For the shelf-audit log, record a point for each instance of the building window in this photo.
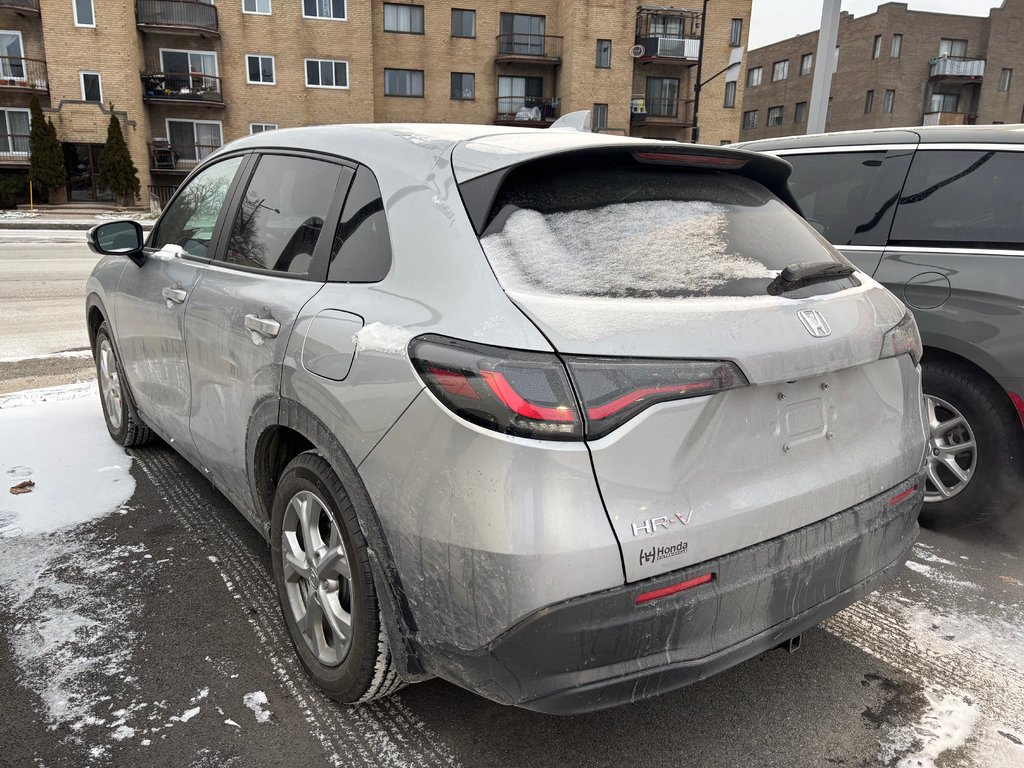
(189, 71)
(835, 60)
(780, 70)
(943, 102)
(326, 73)
(463, 23)
(750, 119)
(262, 127)
(775, 116)
(806, 63)
(85, 15)
(324, 9)
(897, 46)
(754, 76)
(876, 47)
(800, 113)
(954, 48)
(1005, 77)
(194, 140)
(14, 131)
(604, 54)
(869, 102)
(92, 89)
(259, 69)
(403, 18)
(261, 7)
(662, 96)
(599, 117)
(521, 34)
(403, 82)
(522, 98)
(887, 103)
(828, 111)
(463, 86)
(735, 32)
(730, 94)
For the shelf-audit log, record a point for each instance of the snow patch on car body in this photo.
(385, 339)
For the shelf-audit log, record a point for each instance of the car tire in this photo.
(961, 406)
(315, 540)
(123, 423)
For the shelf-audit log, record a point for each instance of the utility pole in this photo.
(695, 131)
(821, 84)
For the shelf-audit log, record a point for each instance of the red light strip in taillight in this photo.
(646, 597)
(1018, 403)
(686, 159)
(610, 408)
(500, 386)
(901, 496)
(453, 382)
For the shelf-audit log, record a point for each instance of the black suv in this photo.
(937, 215)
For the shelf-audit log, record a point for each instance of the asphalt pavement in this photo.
(152, 637)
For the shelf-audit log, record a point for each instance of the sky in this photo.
(774, 20)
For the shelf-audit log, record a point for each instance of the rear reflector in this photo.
(646, 597)
(683, 158)
(901, 496)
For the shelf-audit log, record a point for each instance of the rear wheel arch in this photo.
(940, 355)
(280, 430)
(95, 314)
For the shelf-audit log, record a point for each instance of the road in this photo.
(152, 637)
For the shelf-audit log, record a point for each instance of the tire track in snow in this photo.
(384, 733)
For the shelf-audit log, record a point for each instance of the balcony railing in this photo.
(684, 50)
(526, 110)
(948, 118)
(14, 149)
(160, 195)
(957, 67)
(21, 74)
(178, 158)
(661, 110)
(20, 6)
(523, 47)
(177, 16)
(182, 87)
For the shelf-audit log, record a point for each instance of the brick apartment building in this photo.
(896, 67)
(185, 76)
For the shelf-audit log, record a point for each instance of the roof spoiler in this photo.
(573, 121)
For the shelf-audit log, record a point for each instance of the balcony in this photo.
(165, 157)
(526, 111)
(21, 7)
(667, 35)
(948, 118)
(529, 49)
(956, 68)
(193, 88)
(13, 150)
(176, 17)
(25, 75)
(661, 111)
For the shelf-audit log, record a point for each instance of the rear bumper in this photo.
(602, 650)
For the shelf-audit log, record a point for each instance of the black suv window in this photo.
(189, 221)
(282, 213)
(962, 197)
(362, 247)
(849, 197)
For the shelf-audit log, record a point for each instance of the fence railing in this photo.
(527, 109)
(515, 44)
(21, 5)
(164, 156)
(190, 86)
(182, 14)
(664, 110)
(14, 148)
(23, 74)
(957, 66)
(160, 195)
(948, 118)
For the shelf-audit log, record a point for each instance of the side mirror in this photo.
(117, 238)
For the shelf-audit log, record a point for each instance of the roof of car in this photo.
(932, 134)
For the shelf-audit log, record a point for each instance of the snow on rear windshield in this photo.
(673, 235)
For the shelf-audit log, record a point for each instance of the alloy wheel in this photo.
(110, 383)
(952, 451)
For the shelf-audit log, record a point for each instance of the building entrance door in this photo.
(82, 162)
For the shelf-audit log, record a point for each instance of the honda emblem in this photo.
(815, 323)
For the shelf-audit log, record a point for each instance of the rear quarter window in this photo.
(643, 232)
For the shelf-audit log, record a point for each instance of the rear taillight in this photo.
(529, 394)
(903, 338)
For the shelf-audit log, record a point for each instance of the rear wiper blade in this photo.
(807, 273)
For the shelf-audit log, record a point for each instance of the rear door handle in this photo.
(263, 326)
(176, 295)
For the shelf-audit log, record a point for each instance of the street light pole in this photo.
(695, 131)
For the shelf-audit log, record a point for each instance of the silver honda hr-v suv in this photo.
(567, 419)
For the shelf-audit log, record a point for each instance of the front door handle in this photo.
(175, 295)
(263, 326)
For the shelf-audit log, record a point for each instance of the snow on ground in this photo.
(257, 702)
(71, 353)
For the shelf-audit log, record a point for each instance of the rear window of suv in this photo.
(642, 232)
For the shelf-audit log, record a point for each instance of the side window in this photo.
(849, 197)
(282, 214)
(189, 220)
(962, 197)
(362, 247)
